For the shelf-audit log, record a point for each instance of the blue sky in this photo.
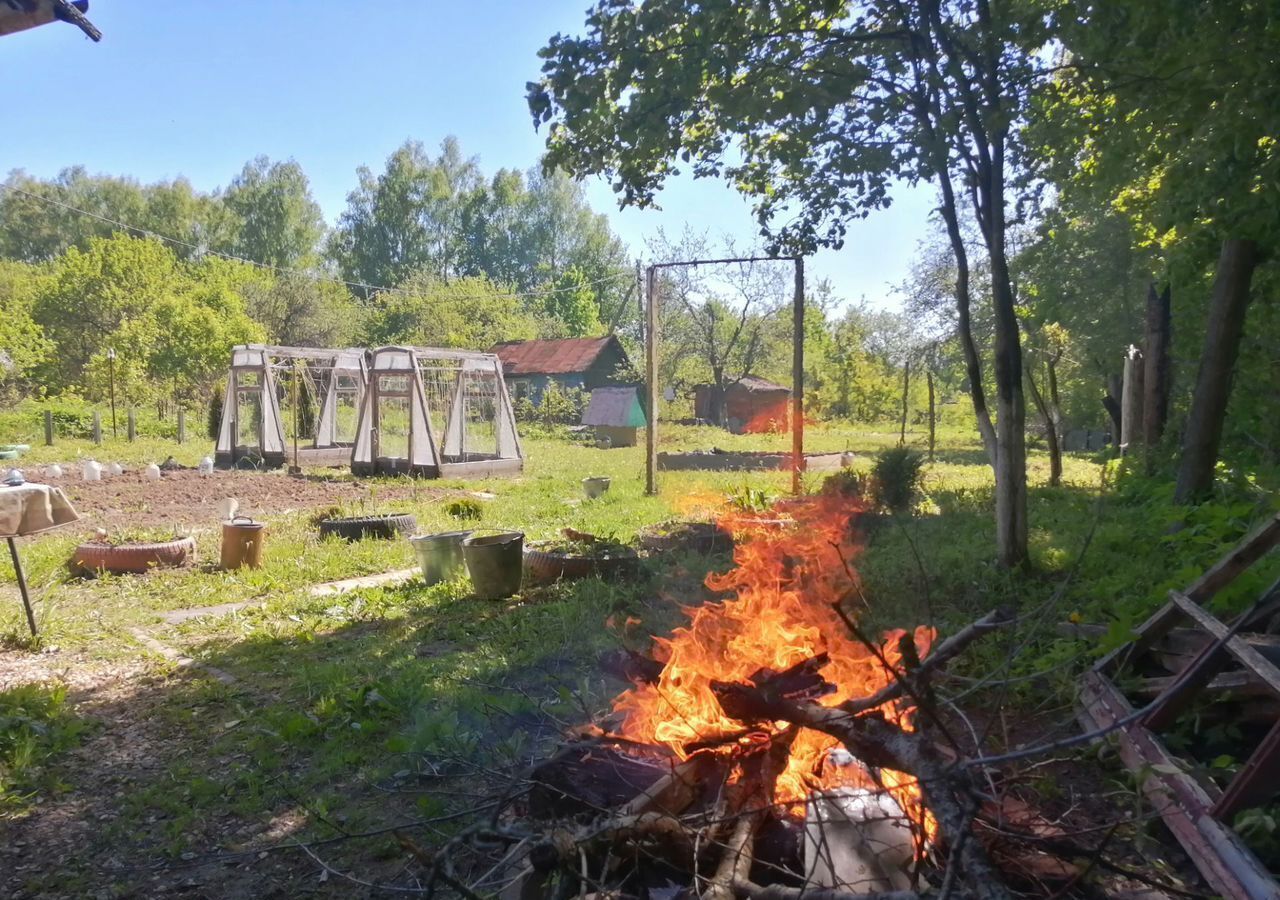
(196, 88)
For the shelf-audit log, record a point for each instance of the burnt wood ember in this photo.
(588, 778)
(631, 666)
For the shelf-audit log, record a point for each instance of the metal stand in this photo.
(22, 587)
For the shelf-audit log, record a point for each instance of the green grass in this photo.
(338, 698)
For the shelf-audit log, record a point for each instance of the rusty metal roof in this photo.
(551, 357)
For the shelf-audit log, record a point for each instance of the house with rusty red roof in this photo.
(583, 363)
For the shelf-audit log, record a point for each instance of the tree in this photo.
(276, 220)
(299, 310)
(172, 324)
(23, 346)
(571, 306)
(408, 219)
(1182, 139)
(813, 109)
(471, 313)
(39, 220)
(729, 312)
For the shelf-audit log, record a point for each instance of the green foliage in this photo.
(465, 508)
(895, 478)
(751, 499)
(848, 483)
(275, 219)
(472, 313)
(556, 406)
(35, 725)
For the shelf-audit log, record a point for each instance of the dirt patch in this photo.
(186, 498)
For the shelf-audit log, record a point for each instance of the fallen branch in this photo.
(941, 655)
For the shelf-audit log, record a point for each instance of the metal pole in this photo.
(182, 425)
(797, 381)
(651, 383)
(22, 587)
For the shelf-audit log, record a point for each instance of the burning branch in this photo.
(877, 742)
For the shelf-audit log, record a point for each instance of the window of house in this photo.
(520, 390)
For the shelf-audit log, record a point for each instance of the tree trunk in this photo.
(906, 386)
(932, 411)
(1050, 431)
(1156, 386)
(1131, 401)
(1228, 305)
(1111, 401)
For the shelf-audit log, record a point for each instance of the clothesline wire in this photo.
(310, 275)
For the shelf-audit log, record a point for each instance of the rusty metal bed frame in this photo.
(1196, 810)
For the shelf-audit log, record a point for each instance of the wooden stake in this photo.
(48, 428)
(797, 380)
(651, 383)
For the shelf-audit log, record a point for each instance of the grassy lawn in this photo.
(349, 713)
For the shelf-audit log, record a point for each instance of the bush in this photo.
(556, 406)
(895, 478)
(465, 508)
(846, 483)
(213, 418)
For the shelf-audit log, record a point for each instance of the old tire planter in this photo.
(495, 563)
(383, 527)
(704, 538)
(545, 566)
(132, 559)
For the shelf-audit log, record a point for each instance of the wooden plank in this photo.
(1147, 635)
(1226, 863)
(1248, 657)
(1257, 545)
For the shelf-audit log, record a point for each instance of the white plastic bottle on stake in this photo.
(152, 472)
(206, 466)
(91, 471)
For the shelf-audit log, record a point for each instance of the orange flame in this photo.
(787, 578)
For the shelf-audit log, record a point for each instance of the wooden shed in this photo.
(750, 404)
(530, 367)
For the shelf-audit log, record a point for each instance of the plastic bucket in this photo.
(495, 563)
(440, 555)
(242, 543)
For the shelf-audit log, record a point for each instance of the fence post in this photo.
(48, 428)
(132, 427)
(97, 427)
(182, 425)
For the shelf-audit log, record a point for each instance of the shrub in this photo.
(213, 422)
(465, 508)
(847, 483)
(895, 478)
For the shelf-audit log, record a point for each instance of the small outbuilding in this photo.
(530, 367)
(615, 413)
(749, 405)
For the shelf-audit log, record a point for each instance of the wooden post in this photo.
(651, 383)
(797, 380)
(928, 375)
(182, 425)
(906, 388)
(97, 427)
(131, 426)
(1131, 400)
(48, 428)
